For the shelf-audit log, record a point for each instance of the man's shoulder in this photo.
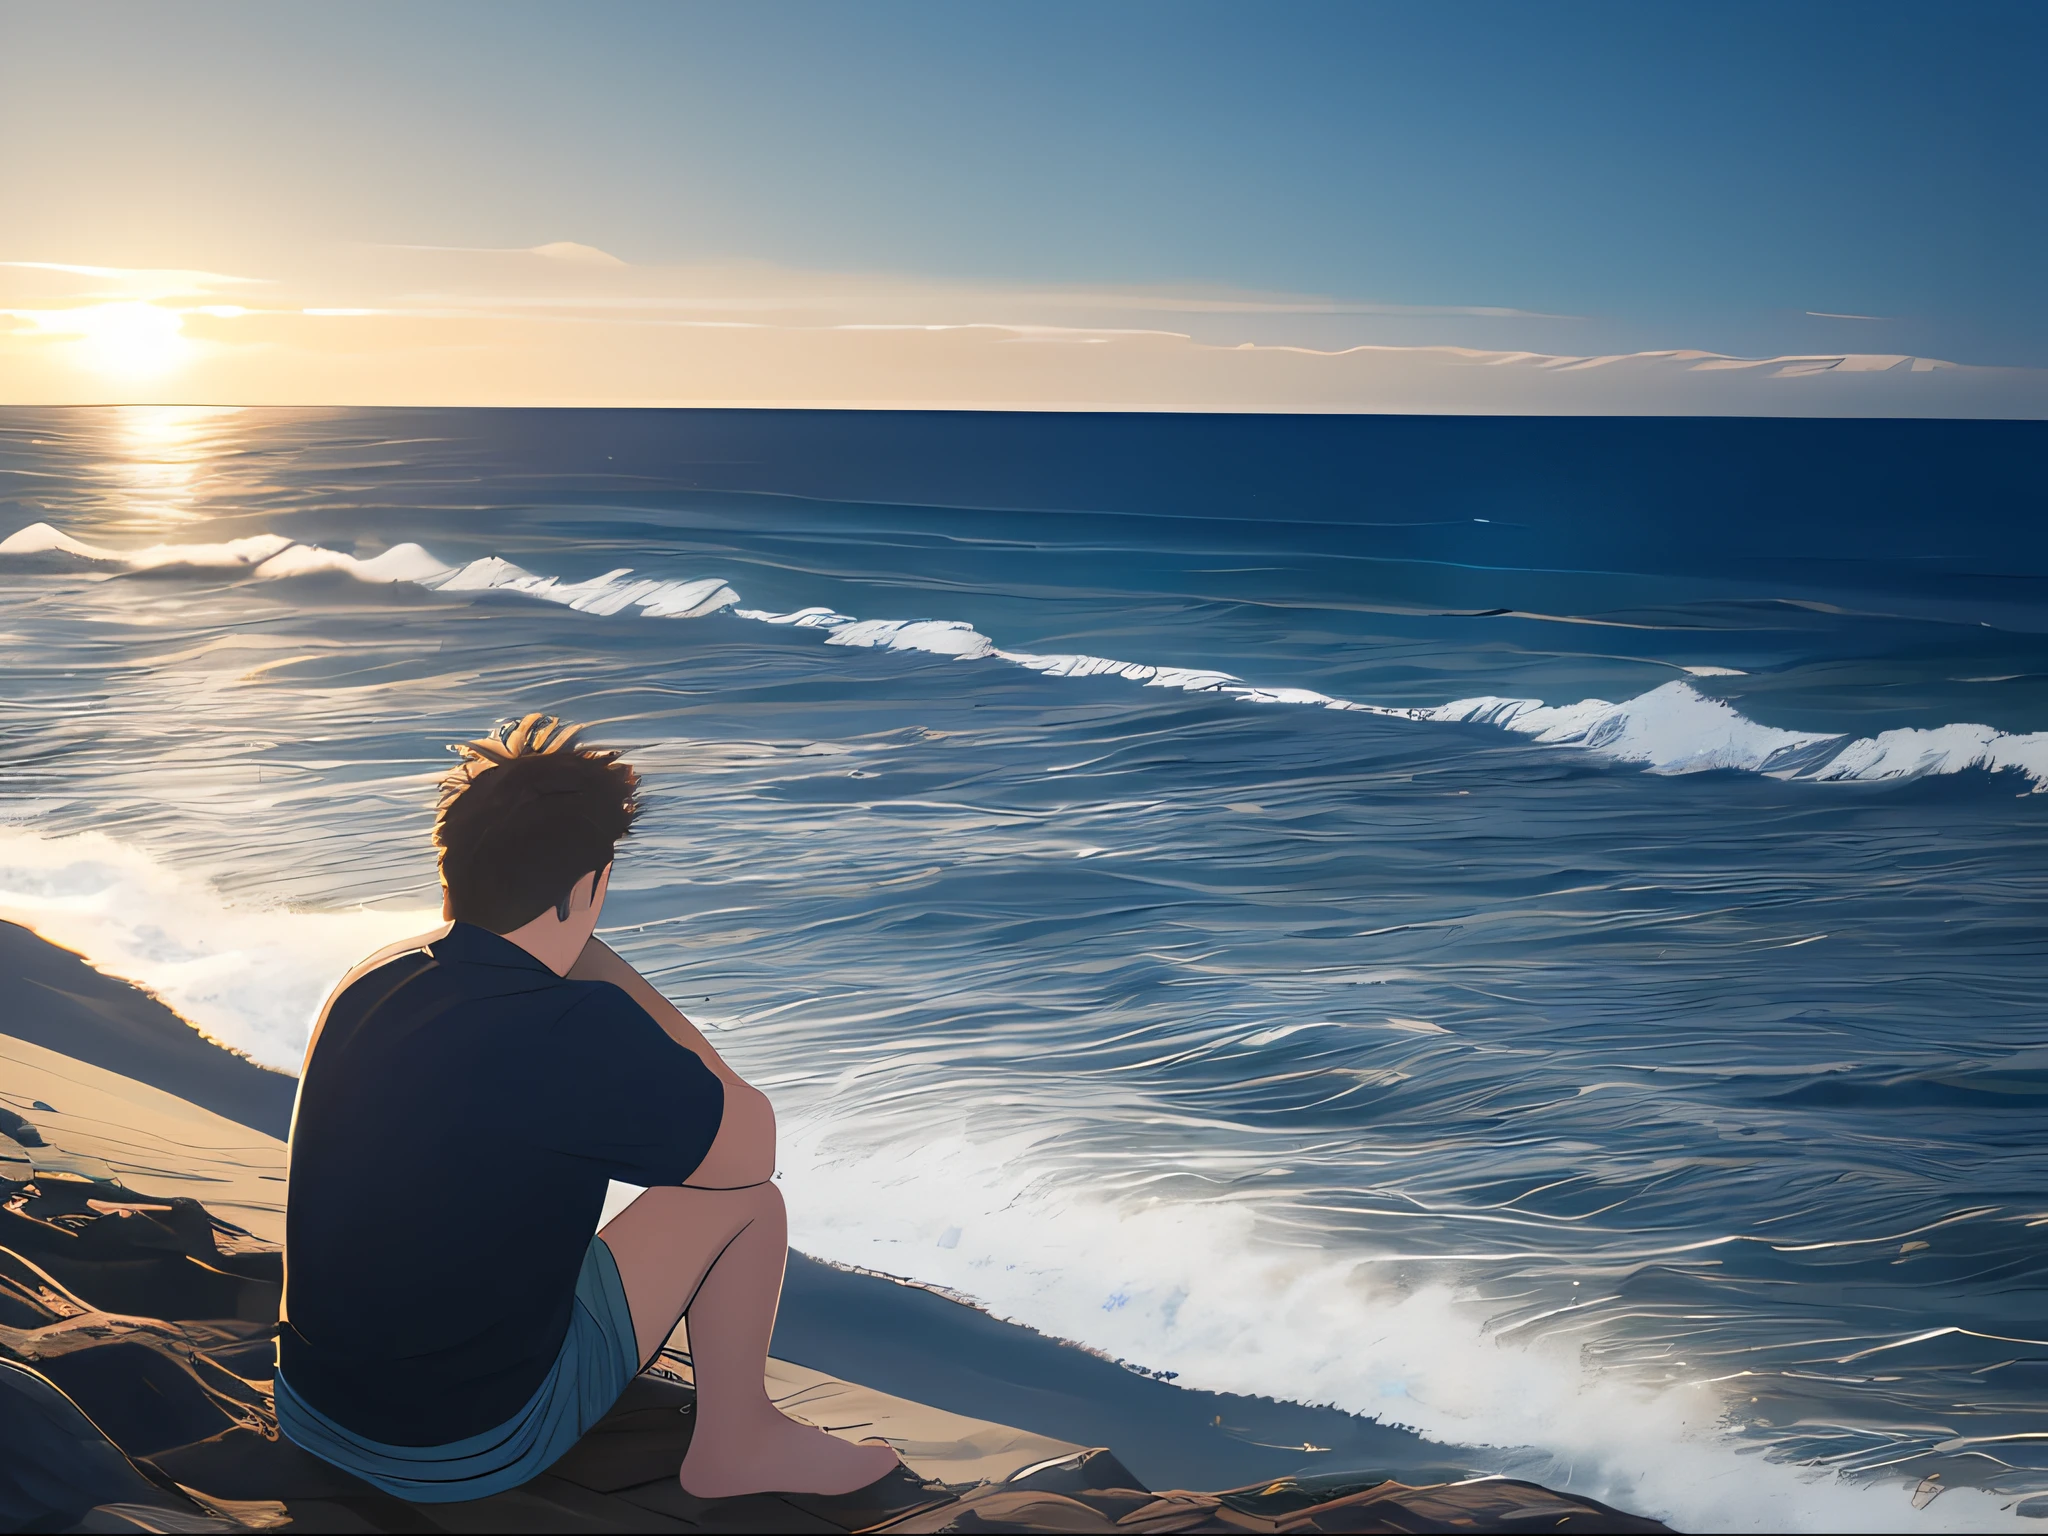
(410, 952)
(602, 1002)
(424, 977)
(425, 974)
(368, 980)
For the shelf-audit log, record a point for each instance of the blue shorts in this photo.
(598, 1359)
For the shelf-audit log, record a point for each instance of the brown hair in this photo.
(526, 814)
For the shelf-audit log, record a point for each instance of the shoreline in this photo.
(902, 1338)
(888, 1332)
(211, 1128)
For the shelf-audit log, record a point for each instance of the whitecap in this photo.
(1910, 753)
(41, 538)
(401, 562)
(802, 618)
(941, 637)
(1672, 729)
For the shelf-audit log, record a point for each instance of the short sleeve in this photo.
(637, 1103)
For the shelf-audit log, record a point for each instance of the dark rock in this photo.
(255, 1462)
(1096, 1469)
(162, 1420)
(141, 1395)
(149, 1258)
(31, 1297)
(58, 1467)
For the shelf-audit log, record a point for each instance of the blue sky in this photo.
(1668, 175)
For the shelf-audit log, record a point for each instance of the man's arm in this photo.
(744, 1151)
(600, 962)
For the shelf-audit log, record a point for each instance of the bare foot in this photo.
(774, 1454)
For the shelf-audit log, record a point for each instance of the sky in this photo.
(1141, 187)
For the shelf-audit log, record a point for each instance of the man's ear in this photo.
(598, 881)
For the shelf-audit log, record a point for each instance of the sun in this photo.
(130, 340)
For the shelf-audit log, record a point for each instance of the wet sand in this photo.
(146, 1170)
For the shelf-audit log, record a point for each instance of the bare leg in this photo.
(717, 1255)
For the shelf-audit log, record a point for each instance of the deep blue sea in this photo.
(1532, 929)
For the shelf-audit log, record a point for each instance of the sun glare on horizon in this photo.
(130, 340)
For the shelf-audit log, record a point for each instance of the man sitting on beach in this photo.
(451, 1324)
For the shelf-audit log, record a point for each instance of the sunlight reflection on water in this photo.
(1719, 1087)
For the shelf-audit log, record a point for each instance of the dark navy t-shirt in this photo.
(459, 1117)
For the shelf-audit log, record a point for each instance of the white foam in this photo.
(1672, 729)
(41, 538)
(485, 575)
(1906, 754)
(803, 618)
(600, 595)
(252, 978)
(1083, 666)
(233, 555)
(1186, 679)
(1194, 1287)
(401, 562)
(939, 636)
(1201, 1289)
(688, 599)
(274, 557)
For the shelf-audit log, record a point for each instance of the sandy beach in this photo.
(139, 1275)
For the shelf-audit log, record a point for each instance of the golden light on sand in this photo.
(131, 340)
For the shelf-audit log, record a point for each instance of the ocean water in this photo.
(1529, 929)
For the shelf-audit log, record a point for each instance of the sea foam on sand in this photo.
(1198, 1288)
(253, 979)
(1192, 1287)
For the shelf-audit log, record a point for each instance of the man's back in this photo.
(461, 1112)
(452, 1322)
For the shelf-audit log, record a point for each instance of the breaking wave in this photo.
(1195, 1284)
(1671, 729)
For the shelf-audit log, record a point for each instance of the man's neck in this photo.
(554, 943)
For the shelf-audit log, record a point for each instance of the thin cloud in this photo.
(1245, 306)
(990, 325)
(500, 311)
(1824, 314)
(554, 250)
(162, 280)
(793, 288)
